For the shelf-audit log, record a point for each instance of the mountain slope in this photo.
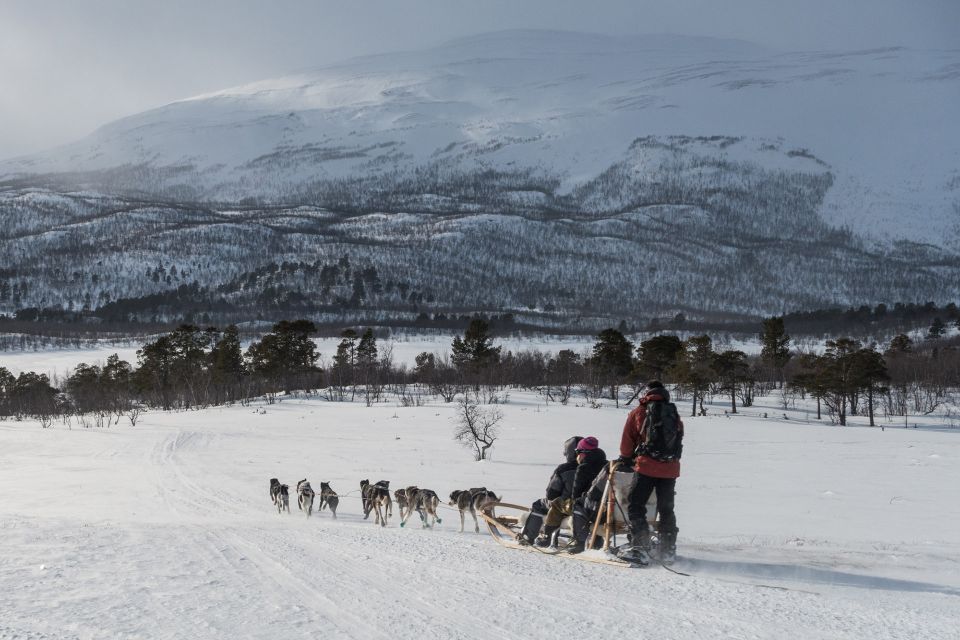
(817, 178)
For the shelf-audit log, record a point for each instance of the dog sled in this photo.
(505, 521)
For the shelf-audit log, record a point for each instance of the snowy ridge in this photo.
(601, 179)
(565, 105)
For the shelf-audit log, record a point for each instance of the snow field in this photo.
(166, 530)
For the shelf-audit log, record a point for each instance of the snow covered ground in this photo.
(788, 528)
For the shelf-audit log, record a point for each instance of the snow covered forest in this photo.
(438, 182)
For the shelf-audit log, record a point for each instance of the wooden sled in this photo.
(506, 528)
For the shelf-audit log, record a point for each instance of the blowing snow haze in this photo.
(563, 177)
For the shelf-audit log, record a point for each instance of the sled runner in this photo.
(610, 522)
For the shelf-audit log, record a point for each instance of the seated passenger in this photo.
(562, 477)
(591, 460)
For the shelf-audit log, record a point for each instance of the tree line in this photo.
(193, 367)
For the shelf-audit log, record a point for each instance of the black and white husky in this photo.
(424, 502)
(376, 498)
(400, 495)
(472, 500)
(279, 495)
(305, 496)
(328, 498)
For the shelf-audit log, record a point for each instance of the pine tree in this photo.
(344, 362)
(474, 353)
(693, 368)
(732, 370)
(776, 345)
(810, 378)
(7, 382)
(871, 372)
(286, 354)
(367, 362)
(656, 355)
(840, 375)
(612, 359)
(936, 330)
(226, 362)
(901, 343)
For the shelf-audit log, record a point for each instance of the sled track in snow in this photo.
(347, 578)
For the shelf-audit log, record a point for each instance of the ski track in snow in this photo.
(166, 531)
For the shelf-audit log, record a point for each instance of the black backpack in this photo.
(664, 440)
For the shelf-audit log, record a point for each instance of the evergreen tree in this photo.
(693, 368)
(901, 343)
(474, 353)
(367, 350)
(656, 355)
(117, 380)
(345, 362)
(153, 376)
(286, 355)
(612, 360)
(84, 389)
(840, 375)
(871, 372)
(226, 363)
(775, 342)
(7, 383)
(936, 330)
(367, 362)
(810, 378)
(562, 371)
(732, 370)
(426, 364)
(33, 396)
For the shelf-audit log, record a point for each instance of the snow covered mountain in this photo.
(759, 156)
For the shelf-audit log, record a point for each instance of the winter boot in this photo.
(532, 526)
(668, 546)
(638, 552)
(576, 546)
(546, 538)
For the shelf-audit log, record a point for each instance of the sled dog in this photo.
(376, 498)
(425, 503)
(274, 490)
(472, 500)
(400, 495)
(328, 498)
(305, 497)
(279, 495)
(284, 504)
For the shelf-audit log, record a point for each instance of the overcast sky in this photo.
(68, 66)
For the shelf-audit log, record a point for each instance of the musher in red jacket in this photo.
(652, 475)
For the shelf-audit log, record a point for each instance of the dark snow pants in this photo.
(531, 529)
(666, 489)
(583, 518)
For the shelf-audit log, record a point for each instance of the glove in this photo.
(624, 461)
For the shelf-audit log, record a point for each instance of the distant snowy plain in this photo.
(788, 528)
